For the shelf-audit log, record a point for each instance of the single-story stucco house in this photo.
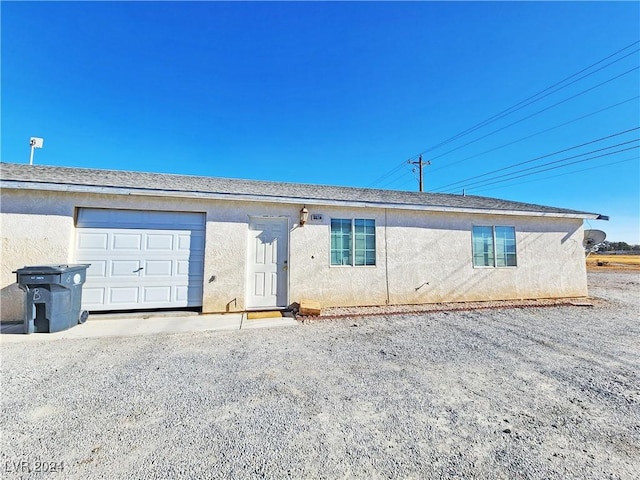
(220, 245)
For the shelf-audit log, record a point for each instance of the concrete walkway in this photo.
(128, 325)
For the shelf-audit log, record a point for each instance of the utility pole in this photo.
(420, 164)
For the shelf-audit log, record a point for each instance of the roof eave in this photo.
(74, 188)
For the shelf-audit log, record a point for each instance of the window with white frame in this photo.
(494, 246)
(353, 242)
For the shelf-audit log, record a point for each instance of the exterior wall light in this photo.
(304, 215)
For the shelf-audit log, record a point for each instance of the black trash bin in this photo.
(54, 296)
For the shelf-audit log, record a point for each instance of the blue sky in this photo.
(337, 93)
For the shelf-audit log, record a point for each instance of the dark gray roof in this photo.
(115, 181)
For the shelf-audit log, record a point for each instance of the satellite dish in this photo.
(593, 238)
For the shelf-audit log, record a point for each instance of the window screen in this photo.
(494, 246)
(353, 242)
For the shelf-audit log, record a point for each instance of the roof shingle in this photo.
(48, 177)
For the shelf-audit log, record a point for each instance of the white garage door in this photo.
(140, 259)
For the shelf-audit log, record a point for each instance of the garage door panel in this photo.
(122, 296)
(189, 268)
(171, 258)
(182, 267)
(164, 220)
(98, 268)
(93, 241)
(161, 268)
(125, 268)
(93, 296)
(159, 242)
(184, 242)
(157, 294)
(193, 241)
(182, 294)
(127, 241)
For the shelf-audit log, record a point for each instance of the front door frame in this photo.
(282, 298)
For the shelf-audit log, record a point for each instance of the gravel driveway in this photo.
(507, 393)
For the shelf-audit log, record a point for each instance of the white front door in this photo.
(267, 263)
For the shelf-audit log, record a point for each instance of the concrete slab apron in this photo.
(127, 327)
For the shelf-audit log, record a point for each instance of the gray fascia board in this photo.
(56, 187)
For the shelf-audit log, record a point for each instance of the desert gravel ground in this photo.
(527, 392)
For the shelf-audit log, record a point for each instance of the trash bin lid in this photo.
(51, 269)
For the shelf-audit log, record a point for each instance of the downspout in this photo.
(386, 255)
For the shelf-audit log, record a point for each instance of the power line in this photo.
(394, 176)
(560, 166)
(401, 173)
(390, 172)
(549, 163)
(539, 158)
(518, 106)
(558, 175)
(504, 112)
(398, 178)
(543, 131)
(529, 116)
(522, 104)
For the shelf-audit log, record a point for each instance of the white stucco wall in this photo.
(38, 228)
(412, 248)
(33, 230)
(312, 277)
(416, 248)
(550, 259)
